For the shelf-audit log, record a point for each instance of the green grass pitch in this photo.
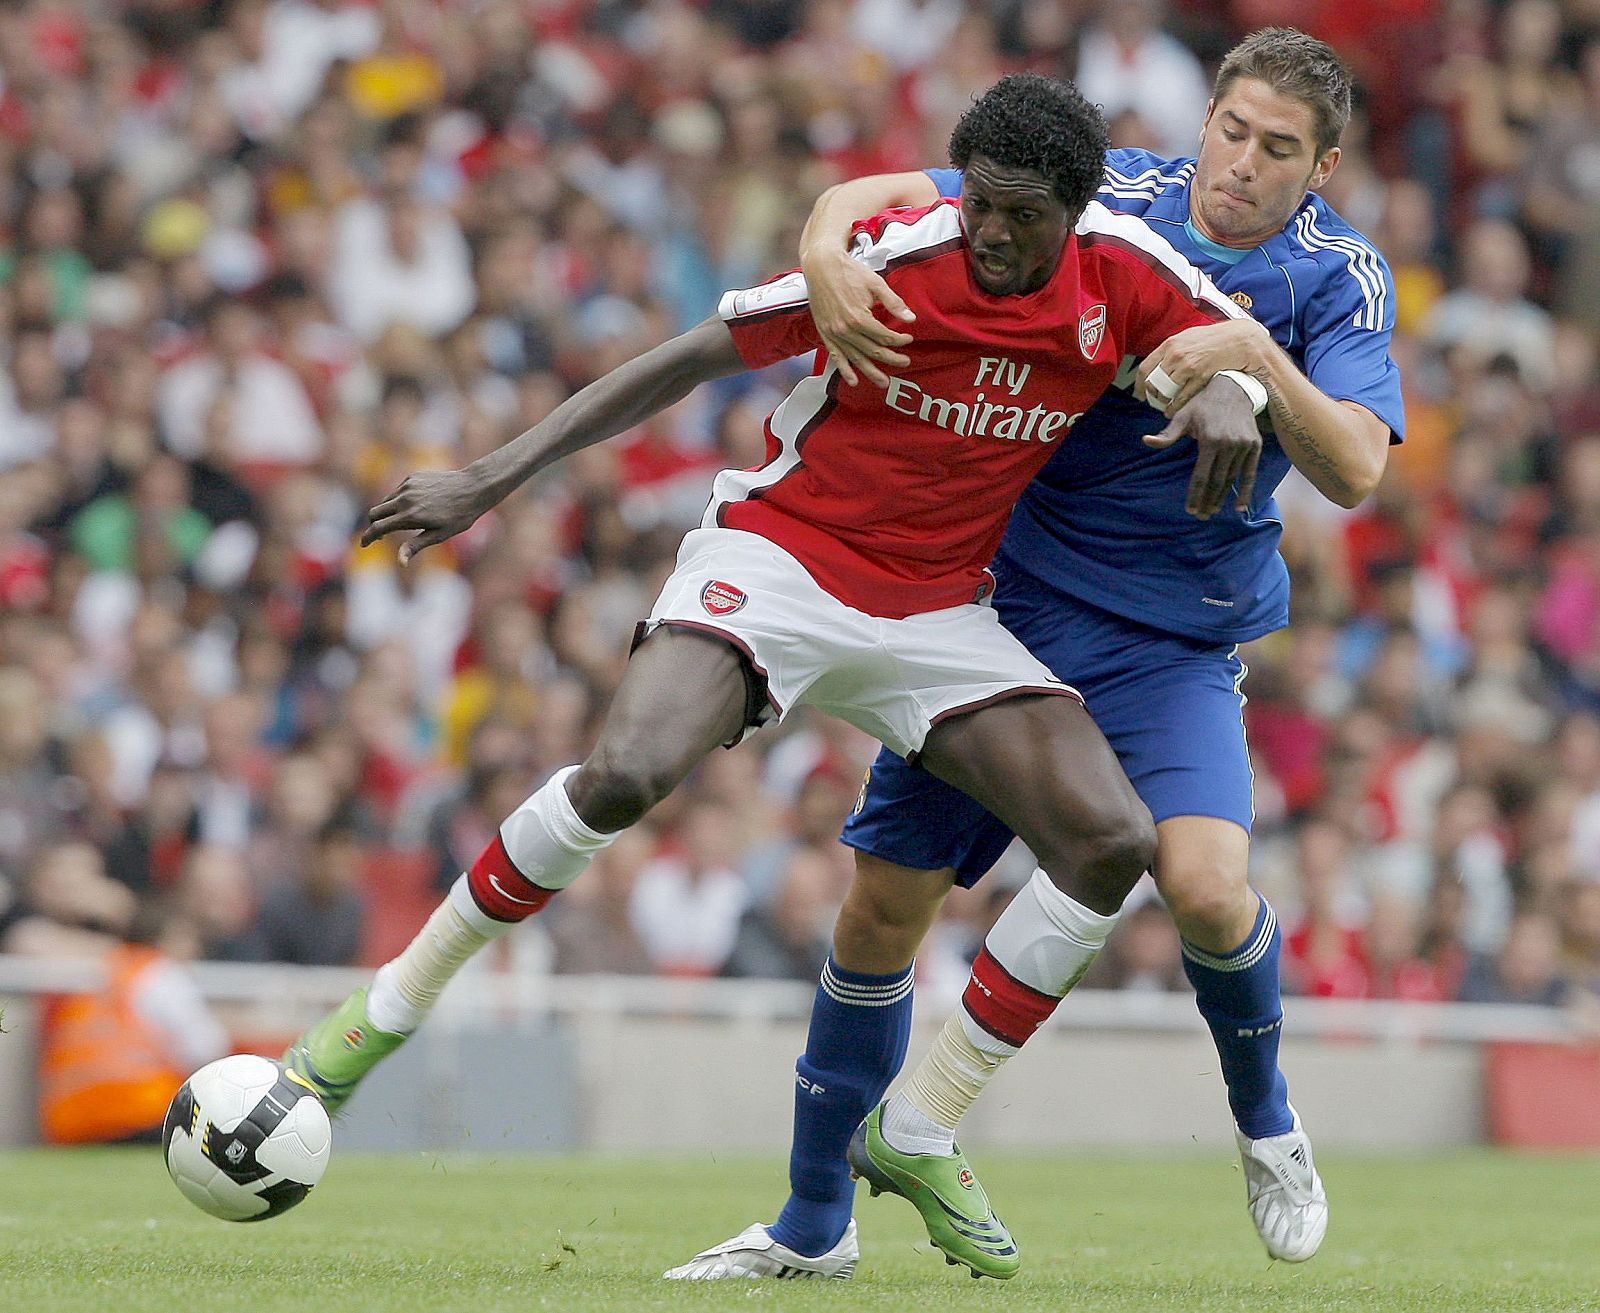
(105, 1230)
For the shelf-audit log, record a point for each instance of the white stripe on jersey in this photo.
(1143, 186)
(1362, 261)
(898, 240)
(780, 294)
(797, 410)
(1154, 176)
(810, 396)
(1097, 220)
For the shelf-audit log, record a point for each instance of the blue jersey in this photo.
(1104, 520)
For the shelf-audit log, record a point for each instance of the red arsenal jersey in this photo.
(895, 500)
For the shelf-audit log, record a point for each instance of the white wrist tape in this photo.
(1252, 387)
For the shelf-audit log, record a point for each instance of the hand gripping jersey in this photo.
(1105, 523)
(895, 500)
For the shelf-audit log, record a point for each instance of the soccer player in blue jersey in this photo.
(1108, 577)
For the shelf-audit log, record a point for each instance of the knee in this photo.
(876, 916)
(613, 790)
(1212, 906)
(864, 939)
(1125, 849)
(881, 925)
(1100, 864)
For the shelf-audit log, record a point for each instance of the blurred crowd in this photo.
(261, 258)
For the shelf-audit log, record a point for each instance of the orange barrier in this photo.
(1543, 1096)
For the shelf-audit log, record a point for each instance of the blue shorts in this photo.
(1171, 708)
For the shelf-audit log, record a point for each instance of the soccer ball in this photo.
(246, 1138)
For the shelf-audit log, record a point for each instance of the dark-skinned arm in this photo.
(440, 504)
(1340, 446)
(843, 291)
(1221, 422)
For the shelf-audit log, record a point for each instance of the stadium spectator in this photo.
(1561, 194)
(452, 818)
(1501, 93)
(1490, 315)
(1525, 970)
(399, 260)
(686, 907)
(1140, 74)
(295, 44)
(183, 346)
(594, 933)
(1392, 946)
(267, 420)
(317, 919)
(787, 938)
(1322, 954)
(31, 811)
(147, 847)
(1142, 954)
(813, 822)
(69, 906)
(301, 798)
(110, 1061)
(213, 893)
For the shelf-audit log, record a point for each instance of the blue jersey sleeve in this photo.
(1348, 325)
(1135, 179)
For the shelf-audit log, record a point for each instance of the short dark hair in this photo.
(1026, 121)
(342, 827)
(408, 386)
(1296, 64)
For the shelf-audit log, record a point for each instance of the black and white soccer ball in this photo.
(246, 1138)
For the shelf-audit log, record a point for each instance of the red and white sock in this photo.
(1032, 957)
(540, 849)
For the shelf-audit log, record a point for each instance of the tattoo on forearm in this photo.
(1312, 459)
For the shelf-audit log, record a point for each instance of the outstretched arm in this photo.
(844, 291)
(440, 504)
(1340, 446)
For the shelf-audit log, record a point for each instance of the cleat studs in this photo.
(977, 1275)
(874, 1191)
(950, 1262)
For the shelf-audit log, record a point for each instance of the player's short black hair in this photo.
(1026, 121)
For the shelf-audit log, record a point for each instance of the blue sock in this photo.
(860, 1026)
(1237, 994)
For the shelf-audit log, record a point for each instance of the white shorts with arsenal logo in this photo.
(894, 679)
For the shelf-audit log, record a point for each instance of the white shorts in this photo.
(894, 679)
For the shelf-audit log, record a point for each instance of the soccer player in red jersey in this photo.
(849, 570)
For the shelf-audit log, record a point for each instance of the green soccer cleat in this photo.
(943, 1189)
(336, 1053)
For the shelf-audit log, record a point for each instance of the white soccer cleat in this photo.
(755, 1254)
(1287, 1201)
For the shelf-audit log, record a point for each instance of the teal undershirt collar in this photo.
(1216, 250)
